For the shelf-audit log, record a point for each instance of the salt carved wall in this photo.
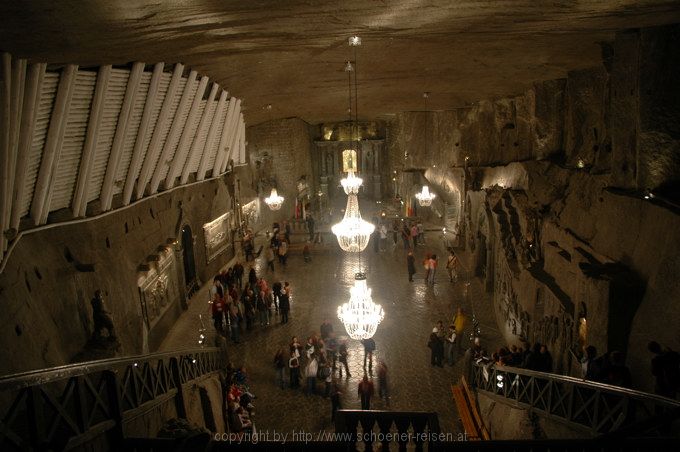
(569, 236)
(52, 275)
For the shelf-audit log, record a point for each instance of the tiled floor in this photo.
(411, 311)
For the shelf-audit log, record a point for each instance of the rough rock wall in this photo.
(280, 154)
(47, 285)
(572, 237)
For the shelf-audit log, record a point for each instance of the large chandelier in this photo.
(351, 183)
(274, 201)
(353, 232)
(425, 197)
(360, 315)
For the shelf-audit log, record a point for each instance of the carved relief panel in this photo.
(158, 287)
(217, 235)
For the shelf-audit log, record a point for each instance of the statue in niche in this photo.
(514, 327)
(102, 319)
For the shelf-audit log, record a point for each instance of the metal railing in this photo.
(66, 406)
(393, 427)
(593, 408)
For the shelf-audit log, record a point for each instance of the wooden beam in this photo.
(16, 109)
(214, 126)
(242, 141)
(29, 115)
(195, 146)
(87, 156)
(154, 147)
(221, 147)
(173, 134)
(182, 147)
(135, 78)
(40, 206)
(233, 145)
(138, 150)
(5, 132)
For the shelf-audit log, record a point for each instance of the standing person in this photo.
(276, 293)
(421, 232)
(269, 255)
(326, 329)
(252, 278)
(410, 265)
(383, 237)
(286, 231)
(217, 287)
(459, 322)
(383, 392)
(452, 266)
(310, 227)
(365, 392)
(395, 233)
(294, 362)
(406, 236)
(238, 274)
(284, 303)
(262, 309)
(217, 309)
(310, 372)
(450, 344)
(369, 348)
(342, 357)
(336, 403)
(436, 348)
(414, 235)
(280, 365)
(234, 320)
(432, 267)
(545, 361)
(283, 252)
(426, 266)
(665, 369)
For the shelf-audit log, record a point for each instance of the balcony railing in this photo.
(593, 408)
(66, 406)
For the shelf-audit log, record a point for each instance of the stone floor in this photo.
(411, 311)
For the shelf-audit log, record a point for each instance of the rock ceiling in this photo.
(291, 53)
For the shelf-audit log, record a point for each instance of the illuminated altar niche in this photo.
(217, 236)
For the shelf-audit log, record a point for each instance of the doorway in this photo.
(189, 263)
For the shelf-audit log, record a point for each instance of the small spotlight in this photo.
(580, 163)
(136, 364)
(354, 41)
(444, 230)
(193, 361)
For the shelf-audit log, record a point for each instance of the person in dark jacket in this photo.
(545, 360)
(365, 392)
(369, 348)
(411, 265)
(436, 348)
(284, 306)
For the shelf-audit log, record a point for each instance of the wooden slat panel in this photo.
(210, 164)
(160, 131)
(209, 148)
(5, 132)
(48, 94)
(178, 122)
(154, 98)
(191, 165)
(233, 153)
(225, 139)
(106, 193)
(63, 183)
(55, 136)
(31, 110)
(132, 131)
(187, 135)
(87, 158)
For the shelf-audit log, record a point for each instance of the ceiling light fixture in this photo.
(360, 315)
(274, 200)
(425, 198)
(353, 232)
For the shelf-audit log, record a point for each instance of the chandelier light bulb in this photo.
(425, 197)
(274, 201)
(351, 183)
(353, 232)
(360, 315)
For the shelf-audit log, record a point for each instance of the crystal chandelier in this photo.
(274, 201)
(351, 183)
(360, 315)
(425, 197)
(353, 232)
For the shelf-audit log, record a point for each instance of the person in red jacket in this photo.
(218, 308)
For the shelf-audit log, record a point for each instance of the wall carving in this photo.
(158, 286)
(217, 236)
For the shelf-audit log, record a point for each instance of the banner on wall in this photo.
(217, 236)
